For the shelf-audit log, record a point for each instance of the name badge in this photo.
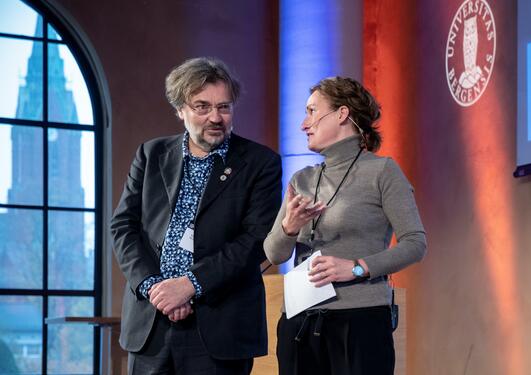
(187, 242)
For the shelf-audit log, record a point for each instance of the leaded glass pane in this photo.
(21, 158)
(21, 335)
(53, 34)
(18, 18)
(20, 249)
(70, 250)
(70, 346)
(70, 168)
(68, 96)
(21, 79)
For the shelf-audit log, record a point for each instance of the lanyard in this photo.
(316, 221)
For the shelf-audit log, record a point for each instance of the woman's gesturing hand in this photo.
(299, 211)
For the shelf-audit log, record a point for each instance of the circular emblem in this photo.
(470, 51)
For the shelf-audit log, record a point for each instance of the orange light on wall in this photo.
(460, 159)
(490, 173)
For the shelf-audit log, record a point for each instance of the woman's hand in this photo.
(328, 269)
(299, 211)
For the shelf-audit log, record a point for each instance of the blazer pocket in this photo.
(154, 246)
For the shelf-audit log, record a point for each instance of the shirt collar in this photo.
(221, 150)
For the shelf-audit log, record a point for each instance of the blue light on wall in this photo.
(308, 52)
(528, 91)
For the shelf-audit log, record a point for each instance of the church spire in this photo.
(64, 147)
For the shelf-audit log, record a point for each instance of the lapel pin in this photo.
(222, 177)
(227, 171)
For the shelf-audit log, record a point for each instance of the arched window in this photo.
(50, 194)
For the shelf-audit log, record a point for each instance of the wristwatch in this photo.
(358, 269)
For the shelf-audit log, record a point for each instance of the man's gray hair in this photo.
(190, 77)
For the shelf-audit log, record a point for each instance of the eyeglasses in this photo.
(204, 108)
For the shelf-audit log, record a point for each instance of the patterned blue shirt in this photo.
(175, 261)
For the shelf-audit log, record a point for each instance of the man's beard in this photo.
(202, 142)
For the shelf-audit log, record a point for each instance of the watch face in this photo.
(358, 270)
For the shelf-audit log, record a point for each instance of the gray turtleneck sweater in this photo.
(375, 200)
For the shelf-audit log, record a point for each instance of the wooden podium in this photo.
(274, 295)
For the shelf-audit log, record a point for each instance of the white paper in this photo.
(300, 293)
(187, 242)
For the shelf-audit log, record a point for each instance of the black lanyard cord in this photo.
(316, 221)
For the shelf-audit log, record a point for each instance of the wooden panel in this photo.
(274, 285)
(400, 334)
(274, 295)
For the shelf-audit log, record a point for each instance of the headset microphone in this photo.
(360, 130)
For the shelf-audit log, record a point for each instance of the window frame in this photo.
(89, 66)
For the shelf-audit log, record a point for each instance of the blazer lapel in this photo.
(221, 176)
(171, 164)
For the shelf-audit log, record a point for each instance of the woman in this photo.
(348, 208)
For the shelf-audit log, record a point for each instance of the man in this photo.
(188, 234)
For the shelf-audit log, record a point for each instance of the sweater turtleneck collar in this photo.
(341, 151)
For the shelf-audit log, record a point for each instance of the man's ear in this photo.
(179, 113)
